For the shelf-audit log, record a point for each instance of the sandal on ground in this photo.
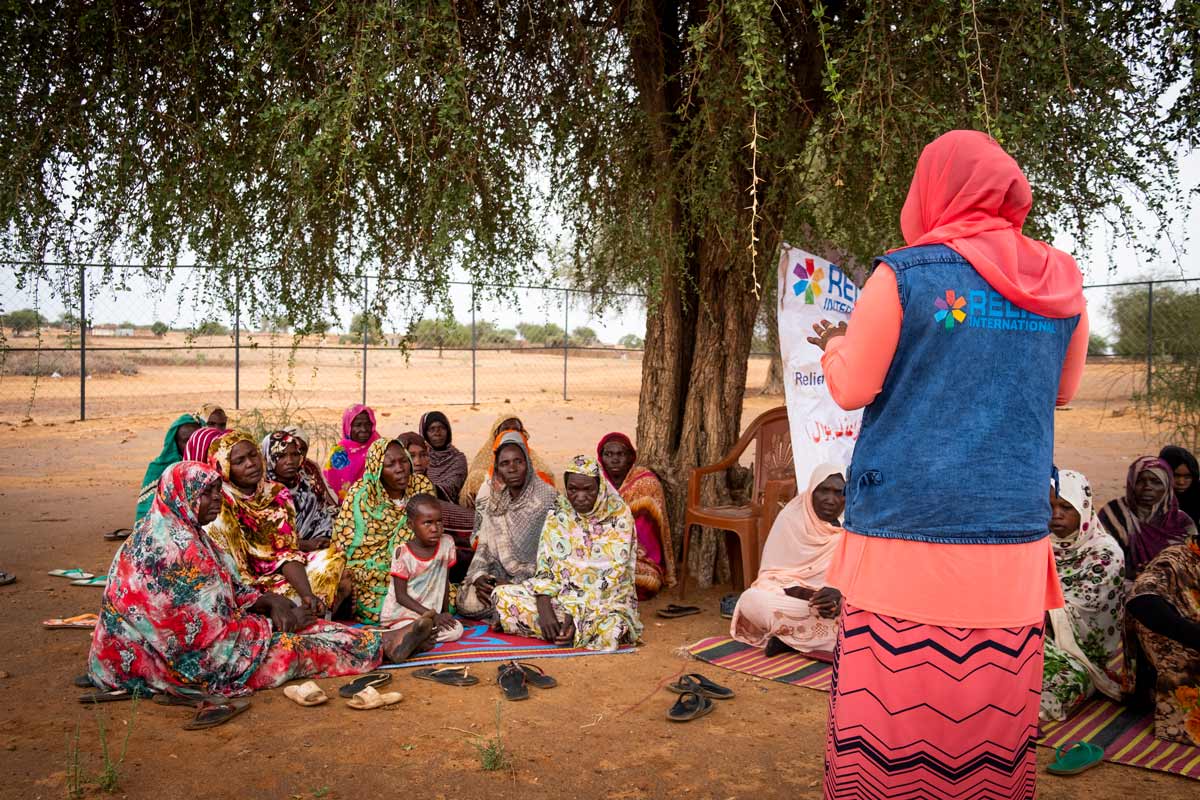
(729, 604)
(306, 694)
(189, 701)
(82, 621)
(120, 534)
(512, 681)
(363, 681)
(537, 676)
(370, 698)
(447, 676)
(95, 580)
(6, 578)
(673, 611)
(688, 707)
(74, 574)
(112, 696)
(1076, 757)
(695, 683)
(210, 715)
(83, 682)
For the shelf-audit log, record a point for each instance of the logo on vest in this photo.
(950, 310)
(809, 284)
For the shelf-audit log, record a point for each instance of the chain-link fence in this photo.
(160, 340)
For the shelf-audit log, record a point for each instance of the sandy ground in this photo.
(601, 733)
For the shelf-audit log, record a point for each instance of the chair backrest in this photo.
(772, 450)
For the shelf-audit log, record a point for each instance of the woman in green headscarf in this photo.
(172, 453)
(374, 520)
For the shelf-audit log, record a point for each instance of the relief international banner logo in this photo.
(950, 310)
(809, 284)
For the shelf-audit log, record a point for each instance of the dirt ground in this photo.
(602, 732)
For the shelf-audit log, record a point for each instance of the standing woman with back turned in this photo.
(959, 348)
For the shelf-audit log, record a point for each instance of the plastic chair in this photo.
(773, 467)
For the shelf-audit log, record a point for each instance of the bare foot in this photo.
(411, 639)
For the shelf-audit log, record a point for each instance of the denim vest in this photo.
(958, 446)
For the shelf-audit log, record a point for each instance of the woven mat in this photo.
(478, 643)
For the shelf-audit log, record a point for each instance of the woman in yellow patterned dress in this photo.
(583, 592)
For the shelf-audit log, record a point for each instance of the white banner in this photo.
(810, 290)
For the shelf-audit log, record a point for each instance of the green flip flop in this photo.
(1075, 758)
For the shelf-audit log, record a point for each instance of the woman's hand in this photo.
(827, 602)
(566, 632)
(443, 621)
(825, 331)
(548, 620)
(283, 614)
(312, 604)
(310, 545)
(483, 588)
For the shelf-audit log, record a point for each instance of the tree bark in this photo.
(773, 385)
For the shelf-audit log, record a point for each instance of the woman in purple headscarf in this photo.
(1147, 519)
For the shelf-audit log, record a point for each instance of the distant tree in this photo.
(274, 323)
(68, 321)
(159, 329)
(1176, 318)
(211, 327)
(631, 341)
(552, 335)
(371, 323)
(584, 336)
(1097, 345)
(26, 319)
(127, 324)
(318, 327)
(434, 333)
(531, 332)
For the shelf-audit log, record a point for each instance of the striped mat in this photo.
(1126, 736)
(479, 643)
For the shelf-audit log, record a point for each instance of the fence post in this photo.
(82, 345)
(566, 335)
(237, 340)
(365, 332)
(474, 342)
(1149, 339)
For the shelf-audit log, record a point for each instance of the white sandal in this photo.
(306, 694)
(370, 698)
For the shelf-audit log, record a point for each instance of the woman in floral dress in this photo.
(1084, 635)
(583, 591)
(176, 618)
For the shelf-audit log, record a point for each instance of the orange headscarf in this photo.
(970, 195)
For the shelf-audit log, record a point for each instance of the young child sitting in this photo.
(421, 572)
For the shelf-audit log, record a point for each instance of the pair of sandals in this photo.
(696, 695)
(211, 710)
(673, 611)
(361, 693)
(515, 678)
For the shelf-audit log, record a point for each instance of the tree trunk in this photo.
(773, 385)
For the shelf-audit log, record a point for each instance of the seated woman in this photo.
(283, 453)
(457, 521)
(172, 452)
(345, 463)
(447, 464)
(478, 478)
(641, 489)
(176, 617)
(373, 521)
(508, 526)
(789, 608)
(257, 527)
(1162, 642)
(213, 416)
(1147, 519)
(1186, 474)
(583, 593)
(1084, 635)
(198, 443)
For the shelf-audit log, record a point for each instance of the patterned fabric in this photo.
(1174, 575)
(507, 531)
(175, 616)
(1142, 534)
(643, 492)
(347, 459)
(1085, 635)
(448, 466)
(369, 527)
(207, 410)
(259, 531)
(485, 460)
(316, 478)
(167, 456)
(586, 565)
(427, 580)
(923, 711)
(197, 446)
(314, 504)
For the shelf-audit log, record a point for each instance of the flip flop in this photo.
(695, 683)
(1076, 757)
(673, 611)
(190, 701)
(82, 621)
(537, 676)
(688, 707)
(6, 578)
(729, 604)
(512, 681)
(94, 580)
(74, 573)
(306, 694)
(210, 715)
(83, 682)
(447, 676)
(111, 696)
(370, 698)
(364, 681)
(118, 535)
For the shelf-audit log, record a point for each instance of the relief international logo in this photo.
(809, 284)
(950, 310)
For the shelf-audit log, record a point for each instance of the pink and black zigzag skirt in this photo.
(920, 711)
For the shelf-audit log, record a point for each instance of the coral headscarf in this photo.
(346, 460)
(970, 195)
